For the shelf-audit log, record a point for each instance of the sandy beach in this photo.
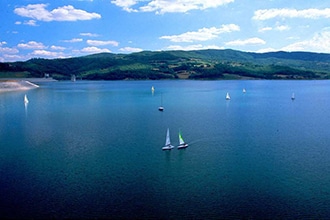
(7, 85)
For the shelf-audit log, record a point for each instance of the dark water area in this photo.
(90, 149)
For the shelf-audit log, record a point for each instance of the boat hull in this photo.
(182, 146)
(169, 147)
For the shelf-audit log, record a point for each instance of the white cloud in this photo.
(125, 4)
(165, 6)
(3, 43)
(45, 53)
(266, 50)
(89, 34)
(276, 28)
(312, 13)
(94, 50)
(32, 45)
(57, 47)
(30, 23)
(250, 41)
(65, 13)
(202, 34)
(73, 40)
(102, 43)
(130, 49)
(193, 47)
(282, 28)
(69, 13)
(35, 11)
(264, 29)
(8, 50)
(11, 57)
(320, 42)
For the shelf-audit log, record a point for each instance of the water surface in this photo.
(93, 150)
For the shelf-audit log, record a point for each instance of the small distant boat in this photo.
(293, 97)
(244, 91)
(227, 96)
(168, 145)
(26, 100)
(161, 108)
(73, 78)
(152, 89)
(182, 144)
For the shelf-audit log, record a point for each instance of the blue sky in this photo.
(70, 28)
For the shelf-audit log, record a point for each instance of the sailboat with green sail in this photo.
(182, 143)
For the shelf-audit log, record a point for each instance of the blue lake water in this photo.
(93, 150)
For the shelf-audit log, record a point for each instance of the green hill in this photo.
(199, 64)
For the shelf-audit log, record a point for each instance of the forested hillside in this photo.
(200, 64)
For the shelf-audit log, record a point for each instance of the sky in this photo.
(71, 28)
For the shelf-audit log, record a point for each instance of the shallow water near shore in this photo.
(90, 149)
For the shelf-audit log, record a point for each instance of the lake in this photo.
(92, 149)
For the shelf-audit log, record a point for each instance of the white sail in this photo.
(292, 97)
(26, 99)
(152, 89)
(227, 96)
(244, 90)
(168, 140)
(168, 145)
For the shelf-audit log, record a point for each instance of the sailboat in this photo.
(168, 145)
(26, 101)
(152, 89)
(293, 97)
(227, 96)
(161, 108)
(182, 144)
(244, 91)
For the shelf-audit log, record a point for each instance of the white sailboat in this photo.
(26, 100)
(182, 144)
(244, 90)
(227, 96)
(161, 108)
(168, 145)
(293, 97)
(152, 89)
